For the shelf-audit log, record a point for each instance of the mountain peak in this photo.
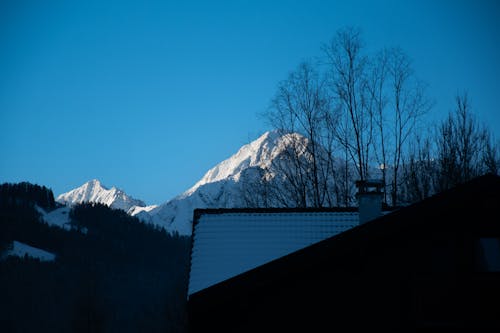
(95, 192)
(259, 152)
(225, 185)
(95, 183)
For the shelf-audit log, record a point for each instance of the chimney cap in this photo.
(370, 185)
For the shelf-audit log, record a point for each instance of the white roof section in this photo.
(227, 244)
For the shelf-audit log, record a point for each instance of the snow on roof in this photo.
(228, 243)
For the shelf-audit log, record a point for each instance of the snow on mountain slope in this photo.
(221, 186)
(94, 192)
(177, 214)
(134, 210)
(259, 153)
(58, 217)
(21, 250)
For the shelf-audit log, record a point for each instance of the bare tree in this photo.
(381, 102)
(256, 187)
(419, 171)
(300, 107)
(398, 102)
(408, 104)
(369, 109)
(491, 154)
(468, 139)
(347, 73)
(465, 149)
(377, 81)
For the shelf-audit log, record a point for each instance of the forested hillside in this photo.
(112, 273)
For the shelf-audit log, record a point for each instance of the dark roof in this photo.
(467, 206)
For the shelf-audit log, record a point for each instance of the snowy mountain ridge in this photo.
(94, 192)
(221, 187)
(259, 153)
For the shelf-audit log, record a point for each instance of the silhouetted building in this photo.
(432, 265)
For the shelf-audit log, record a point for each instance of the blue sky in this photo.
(148, 95)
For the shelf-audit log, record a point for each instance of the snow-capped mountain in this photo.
(258, 153)
(222, 186)
(94, 191)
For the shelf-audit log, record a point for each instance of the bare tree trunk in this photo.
(348, 82)
(299, 109)
(377, 81)
(409, 104)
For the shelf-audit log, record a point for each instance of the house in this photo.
(431, 265)
(228, 242)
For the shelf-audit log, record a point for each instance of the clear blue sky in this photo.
(148, 95)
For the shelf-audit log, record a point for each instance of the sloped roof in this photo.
(228, 242)
(467, 207)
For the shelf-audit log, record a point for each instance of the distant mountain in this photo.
(226, 185)
(222, 186)
(259, 153)
(93, 191)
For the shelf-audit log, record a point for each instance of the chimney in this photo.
(369, 199)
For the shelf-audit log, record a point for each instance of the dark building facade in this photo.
(432, 265)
